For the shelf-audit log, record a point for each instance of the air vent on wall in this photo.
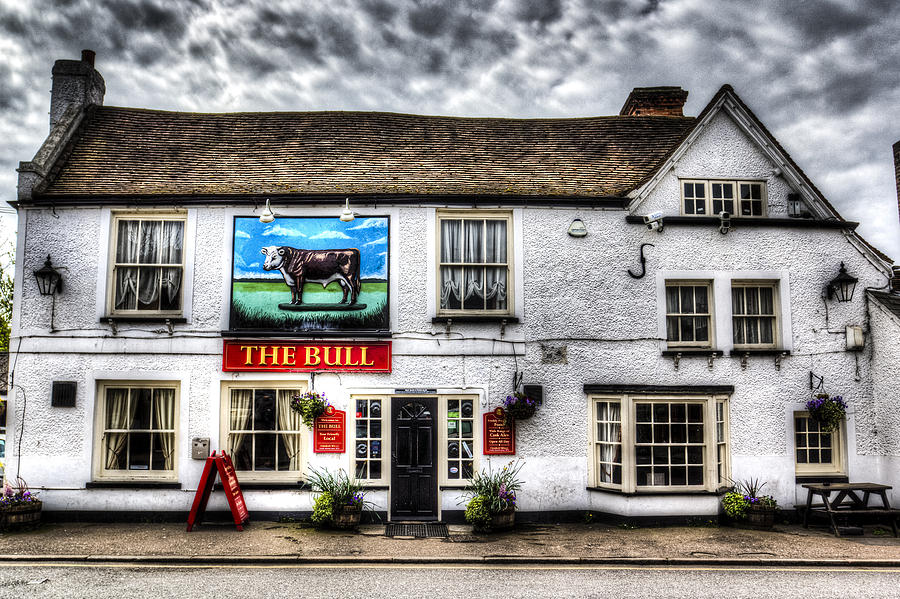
(63, 394)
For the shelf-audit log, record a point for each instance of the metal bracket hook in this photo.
(643, 263)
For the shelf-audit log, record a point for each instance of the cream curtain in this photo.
(119, 415)
(240, 418)
(164, 421)
(149, 242)
(609, 436)
(473, 242)
(288, 423)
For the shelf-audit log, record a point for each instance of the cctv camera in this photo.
(654, 221)
(724, 222)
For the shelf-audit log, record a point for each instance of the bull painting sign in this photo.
(310, 274)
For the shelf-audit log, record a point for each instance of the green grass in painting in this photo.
(254, 305)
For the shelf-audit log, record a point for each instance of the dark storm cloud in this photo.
(821, 75)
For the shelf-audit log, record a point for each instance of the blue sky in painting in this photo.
(367, 234)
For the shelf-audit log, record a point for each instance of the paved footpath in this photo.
(275, 542)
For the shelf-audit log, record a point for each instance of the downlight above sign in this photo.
(304, 356)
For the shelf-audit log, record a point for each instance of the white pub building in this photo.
(672, 288)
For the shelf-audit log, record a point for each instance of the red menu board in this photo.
(499, 434)
(330, 432)
(221, 464)
(306, 356)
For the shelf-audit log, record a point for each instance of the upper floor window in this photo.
(474, 263)
(136, 431)
(754, 315)
(148, 265)
(688, 316)
(710, 197)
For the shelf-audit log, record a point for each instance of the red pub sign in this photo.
(303, 356)
(499, 433)
(330, 432)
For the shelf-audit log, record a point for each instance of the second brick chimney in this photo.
(655, 101)
(75, 82)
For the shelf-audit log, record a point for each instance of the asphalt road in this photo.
(120, 581)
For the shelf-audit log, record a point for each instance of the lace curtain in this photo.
(473, 242)
(289, 422)
(609, 441)
(239, 418)
(119, 415)
(149, 287)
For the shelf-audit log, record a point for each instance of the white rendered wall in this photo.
(570, 293)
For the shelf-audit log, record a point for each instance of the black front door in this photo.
(413, 459)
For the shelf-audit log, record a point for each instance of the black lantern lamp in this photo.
(842, 286)
(48, 278)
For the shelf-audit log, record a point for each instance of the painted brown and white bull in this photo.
(315, 266)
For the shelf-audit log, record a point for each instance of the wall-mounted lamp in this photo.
(842, 286)
(347, 214)
(49, 280)
(577, 228)
(267, 215)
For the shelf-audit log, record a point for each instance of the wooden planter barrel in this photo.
(347, 516)
(23, 515)
(760, 517)
(504, 520)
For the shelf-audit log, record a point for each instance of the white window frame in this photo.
(837, 465)
(628, 402)
(385, 460)
(737, 212)
(304, 432)
(711, 317)
(506, 215)
(116, 217)
(444, 438)
(100, 472)
(776, 313)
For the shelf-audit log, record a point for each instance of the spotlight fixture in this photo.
(267, 215)
(347, 214)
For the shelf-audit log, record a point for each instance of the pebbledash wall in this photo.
(583, 320)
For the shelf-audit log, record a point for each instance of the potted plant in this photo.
(827, 411)
(746, 506)
(310, 405)
(492, 498)
(519, 406)
(19, 507)
(340, 499)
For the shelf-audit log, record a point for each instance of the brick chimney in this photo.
(655, 101)
(895, 280)
(75, 82)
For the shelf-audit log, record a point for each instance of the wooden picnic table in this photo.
(847, 501)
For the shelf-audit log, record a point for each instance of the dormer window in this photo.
(706, 197)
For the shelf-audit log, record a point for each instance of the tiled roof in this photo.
(891, 301)
(134, 152)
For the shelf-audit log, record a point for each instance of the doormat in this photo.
(416, 530)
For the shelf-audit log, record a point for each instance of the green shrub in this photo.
(478, 514)
(736, 505)
(323, 510)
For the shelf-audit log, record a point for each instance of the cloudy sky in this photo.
(822, 75)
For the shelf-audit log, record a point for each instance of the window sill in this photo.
(458, 487)
(473, 319)
(739, 353)
(821, 478)
(721, 491)
(145, 318)
(749, 221)
(131, 484)
(692, 351)
(272, 486)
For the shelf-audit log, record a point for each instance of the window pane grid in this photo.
(669, 444)
(687, 314)
(148, 269)
(368, 450)
(753, 315)
(474, 268)
(721, 449)
(264, 432)
(608, 445)
(813, 446)
(460, 439)
(139, 430)
(747, 196)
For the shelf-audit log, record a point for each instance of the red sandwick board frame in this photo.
(219, 464)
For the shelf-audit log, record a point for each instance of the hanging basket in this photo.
(519, 406)
(21, 516)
